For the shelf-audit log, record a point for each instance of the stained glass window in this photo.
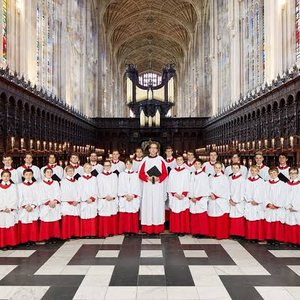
(254, 52)
(4, 31)
(297, 29)
(45, 43)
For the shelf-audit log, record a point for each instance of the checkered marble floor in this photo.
(145, 267)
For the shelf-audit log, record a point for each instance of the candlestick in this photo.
(292, 141)
(273, 143)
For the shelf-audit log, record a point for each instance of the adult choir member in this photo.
(153, 173)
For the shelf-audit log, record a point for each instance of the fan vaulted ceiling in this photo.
(149, 33)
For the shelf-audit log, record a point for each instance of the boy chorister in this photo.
(8, 210)
(235, 159)
(292, 226)
(275, 212)
(8, 165)
(88, 191)
(58, 171)
(28, 165)
(117, 166)
(178, 188)
(170, 160)
(28, 209)
(189, 164)
(198, 195)
(70, 205)
(263, 169)
(237, 201)
(107, 201)
(129, 192)
(209, 166)
(218, 204)
(255, 196)
(137, 159)
(96, 167)
(75, 163)
(50, 214)
(283, 168)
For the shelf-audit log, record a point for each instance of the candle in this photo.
(44, 145)
(266, 144)
(292, 141)
(273, 143)
(38, 143)
(22, 143)
(281, 141)
(259, 144)
(12, 142)
(31, 144)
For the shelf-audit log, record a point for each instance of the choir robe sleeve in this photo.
(164, 172)
(220, 187)
(9, 198)
(179, 182)
(199, 186)
(133, 188)
(88, 189)
(142, 173)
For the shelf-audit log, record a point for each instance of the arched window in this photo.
(150, 78)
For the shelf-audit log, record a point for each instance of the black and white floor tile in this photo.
(142, 267)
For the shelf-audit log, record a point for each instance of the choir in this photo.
(51, 203)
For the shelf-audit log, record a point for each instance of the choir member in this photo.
(8, 165)
(292, 226)
(255, 196)
(198, 195)
(235, 159)
(28, 165)
(8, 212)
(153, 173)
(28, 193)
(50, 213)
(218, 204)
(283, 168)
(117, 166)
(129, 192)
(189, 164)
(88, 192)
(178, 188)
(75, 163)
(237, 184)
(107, 201)
(263, 169)
(58, 171)
(70, 205)
(96, 167)
(209, 166)
(170, 160)
(137, 159)
(275, 212)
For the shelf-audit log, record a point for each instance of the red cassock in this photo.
(107, 209)
(254, 213)
(70, 223)
(276, 193)
(178, 182)
(49, 217)
(237, 195)
(218, 209)
(129, 184)
(8, 220)
(88, 193)
(200, 190)
(292, 226)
